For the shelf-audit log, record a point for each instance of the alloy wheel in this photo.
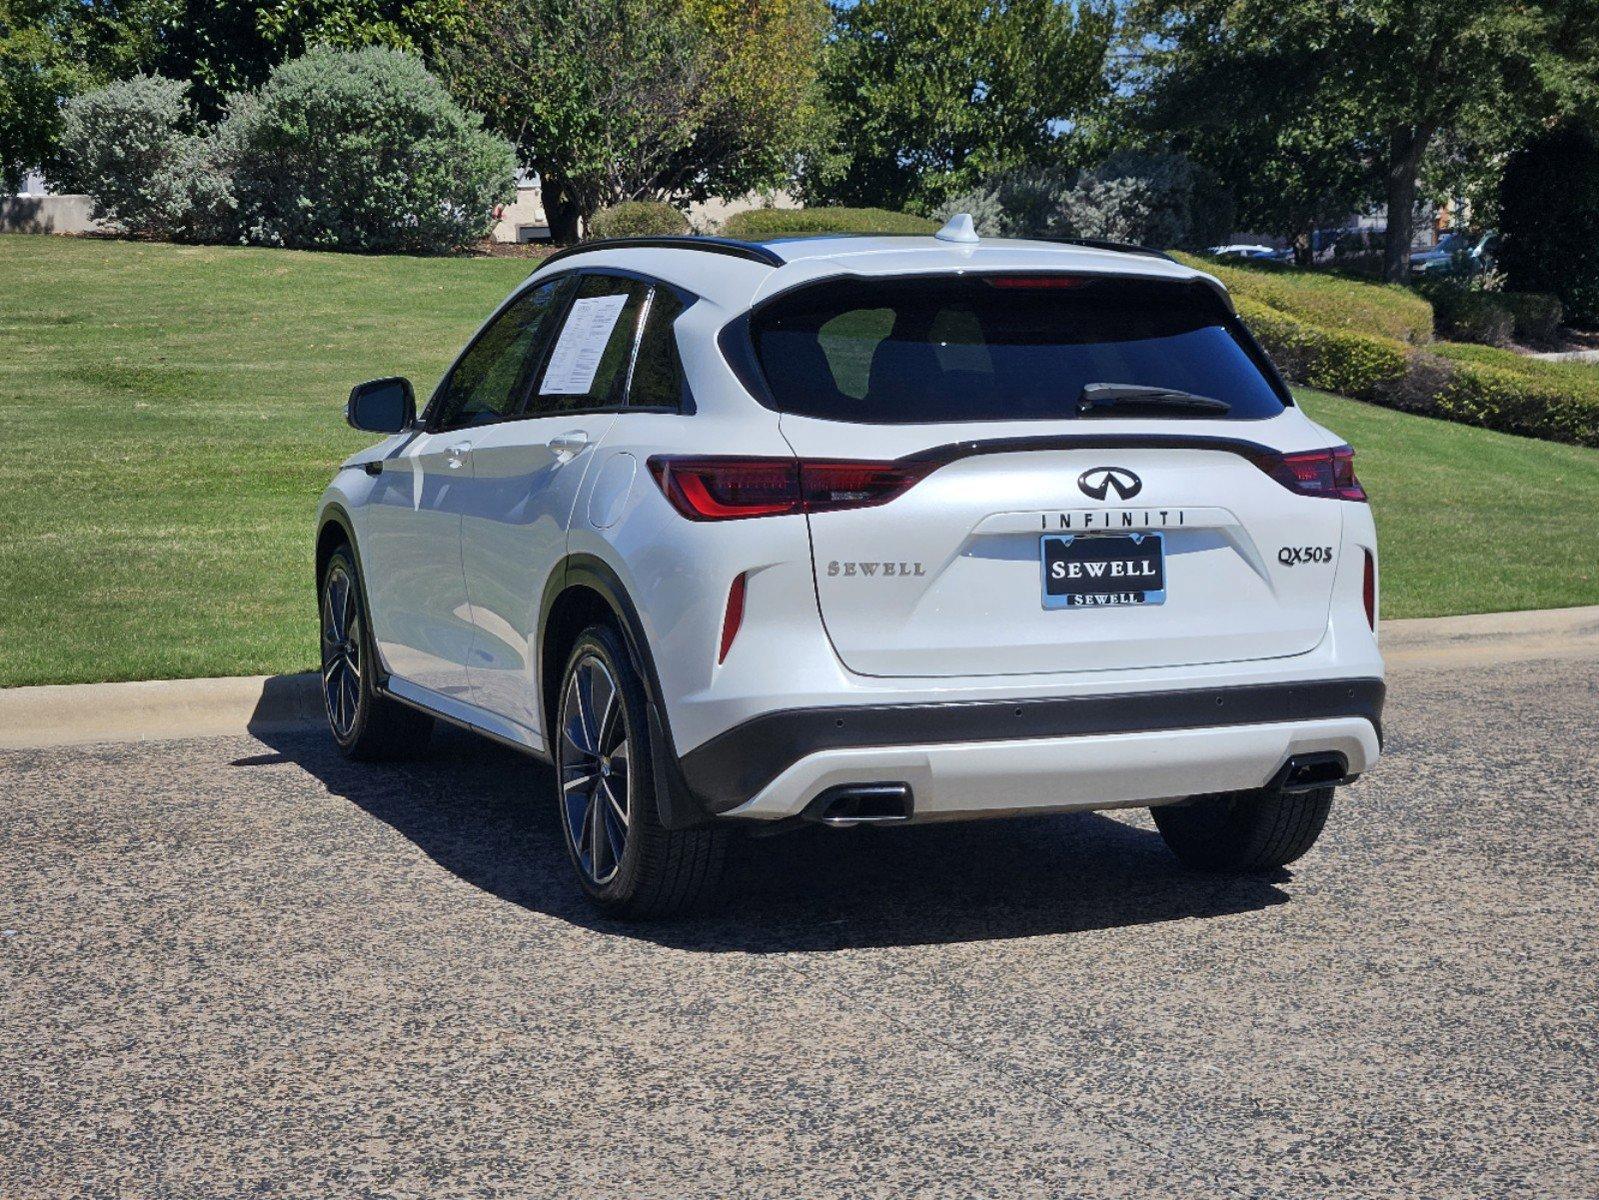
(341, 652)
(596, 769)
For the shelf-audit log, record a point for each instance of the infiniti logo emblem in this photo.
(1099, 481)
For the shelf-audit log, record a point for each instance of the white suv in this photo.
(864, 529)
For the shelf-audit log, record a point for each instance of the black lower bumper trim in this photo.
(735, 765)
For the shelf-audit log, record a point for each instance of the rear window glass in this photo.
(995, 348)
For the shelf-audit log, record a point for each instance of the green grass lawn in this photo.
(172, 413)
(1470, 520)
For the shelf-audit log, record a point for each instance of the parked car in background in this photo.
(1455, 254)
(1245, 250)
(861, 530)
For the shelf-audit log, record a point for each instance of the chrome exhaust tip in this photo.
(861, 804)
(1306, 772)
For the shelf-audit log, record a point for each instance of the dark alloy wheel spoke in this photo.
(341, 652)
(594, 769)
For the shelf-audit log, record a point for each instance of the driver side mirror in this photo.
(382, 405)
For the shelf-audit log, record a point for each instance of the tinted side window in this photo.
(657, 369)
(588, 364)
(490, 379)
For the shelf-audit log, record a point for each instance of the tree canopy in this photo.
(927, 97)
(1373, 84)
(616, 100)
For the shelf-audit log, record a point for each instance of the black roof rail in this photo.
(749, 251)
(1102, 244)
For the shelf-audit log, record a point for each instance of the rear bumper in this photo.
(970, 758)
(973, 779)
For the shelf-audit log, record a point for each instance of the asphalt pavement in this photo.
(241, 967)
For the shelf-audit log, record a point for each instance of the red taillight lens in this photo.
(834, 485)
(1368, 591)
(724, 489)
(733, 617)
(1328, 473)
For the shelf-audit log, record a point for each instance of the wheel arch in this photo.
(335, 529)
(581, 590)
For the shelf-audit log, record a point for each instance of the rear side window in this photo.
(657, 370)
(588, 365)
(999, 348)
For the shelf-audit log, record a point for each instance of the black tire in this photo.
(1244, 832)
(365, 724)
(627, 863)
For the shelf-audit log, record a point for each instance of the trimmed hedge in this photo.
(1475, 385)
(1512, 400)
(1536, 314)
(1492, 318)
(1334, 360)
(1471, 316)
(757, 224)
(638, 218)
(1330, 301)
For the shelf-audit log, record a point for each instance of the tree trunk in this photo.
(1406, 145)
(560, 210)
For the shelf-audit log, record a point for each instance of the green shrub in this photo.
(1330, 301)
(1512, 400)
(638, 218)
(1475, 385)
(1549, 220)
(1334, 360)
(364, 150)
(1150, 199)
(1537, 315)
(1467, 315)
(757, 224)
(128, 145)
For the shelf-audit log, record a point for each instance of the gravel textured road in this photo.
(231, 967)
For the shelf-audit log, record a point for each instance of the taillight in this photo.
(833, 485)
(725, 489)
(1368, 590)
(1329, 473)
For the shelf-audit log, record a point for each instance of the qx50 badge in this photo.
(1099, 481)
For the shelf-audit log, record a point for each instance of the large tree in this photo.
(35, 76)
(613, 100)
(50, 50)
(1291, 166)
(927, 97)
(1374, 82)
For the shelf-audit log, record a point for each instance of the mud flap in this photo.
(675, 805)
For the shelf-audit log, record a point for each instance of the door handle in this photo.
(567, 446)
(455, 456)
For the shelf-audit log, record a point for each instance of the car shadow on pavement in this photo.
(487, 815)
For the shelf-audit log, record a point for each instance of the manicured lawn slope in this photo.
(1470, 520)
(1331, 301)
(172, 413)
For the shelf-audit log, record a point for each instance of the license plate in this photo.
(1097, 570)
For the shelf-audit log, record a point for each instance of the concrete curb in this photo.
(160, 710)
(155, 710)
(1547, 633)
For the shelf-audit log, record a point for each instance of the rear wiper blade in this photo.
(1107, 399)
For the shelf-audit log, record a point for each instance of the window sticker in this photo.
(582, 343)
